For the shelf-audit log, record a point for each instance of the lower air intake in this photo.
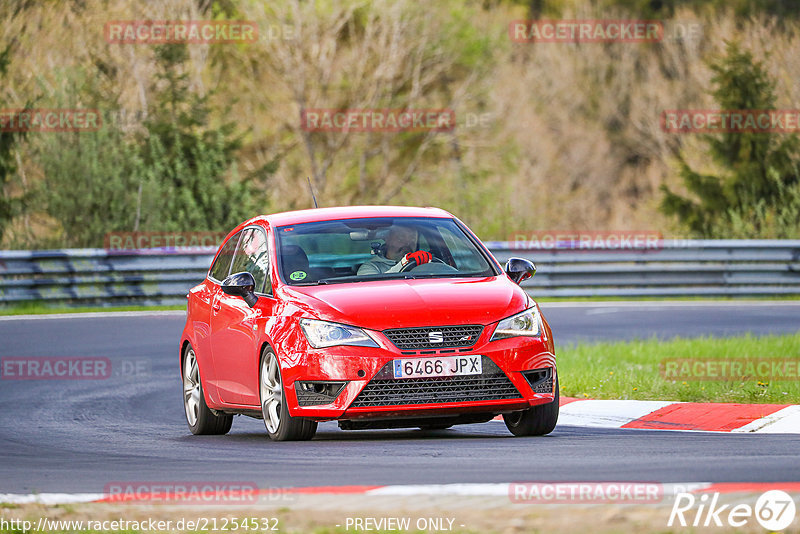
(541, 380)
(492, 384)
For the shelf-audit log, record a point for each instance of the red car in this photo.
(377, 317)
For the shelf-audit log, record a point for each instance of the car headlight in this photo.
(526, 323)
(322, 334)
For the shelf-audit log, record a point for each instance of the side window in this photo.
(219, 271)
(251, 256)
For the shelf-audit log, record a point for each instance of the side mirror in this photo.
(519, 269)
(241, 285)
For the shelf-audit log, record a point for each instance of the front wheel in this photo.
(280, 425)
(536, 420)
(200, 418)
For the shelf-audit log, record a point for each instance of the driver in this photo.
(398, 251)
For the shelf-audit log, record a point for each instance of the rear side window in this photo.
(221, 267)
(251, 256)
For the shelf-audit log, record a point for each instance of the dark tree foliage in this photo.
(741, 8)
(186, 159)
(178, 174)
(759, 169)
(9, 206)
(667, 8)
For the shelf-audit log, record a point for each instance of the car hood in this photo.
(405, 303)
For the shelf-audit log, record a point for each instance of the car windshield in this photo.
(357, 250)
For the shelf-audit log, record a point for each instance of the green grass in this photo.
(43, 309)
(630, 370)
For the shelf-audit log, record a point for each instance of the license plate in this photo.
(444, 366)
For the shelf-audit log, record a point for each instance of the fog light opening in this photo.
(317, 392)
(541, 380)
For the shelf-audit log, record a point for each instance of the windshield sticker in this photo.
(297, 275)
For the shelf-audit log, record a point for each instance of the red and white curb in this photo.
(506, 489)
(661, 415)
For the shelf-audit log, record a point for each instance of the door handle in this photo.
(216, 307)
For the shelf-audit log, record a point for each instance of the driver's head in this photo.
(400, 241)
(252, 242)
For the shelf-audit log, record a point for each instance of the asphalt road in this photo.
(573, 322)
(78, 436)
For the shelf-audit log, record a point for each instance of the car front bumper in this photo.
(506, 384)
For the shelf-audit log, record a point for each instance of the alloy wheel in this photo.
(191, 387)
(271, 392)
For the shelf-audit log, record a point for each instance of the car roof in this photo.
(347, 212)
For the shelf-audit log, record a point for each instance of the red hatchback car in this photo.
(378, 317)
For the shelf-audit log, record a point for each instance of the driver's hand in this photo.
(420, 256)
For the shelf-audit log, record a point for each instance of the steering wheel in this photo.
(413, 264)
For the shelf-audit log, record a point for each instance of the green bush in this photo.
(9, 205)
(757, 194)
(178, 174)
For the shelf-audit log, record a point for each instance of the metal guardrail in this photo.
(101, 277)
(672, 268)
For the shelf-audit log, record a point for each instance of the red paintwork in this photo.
(703, 416)
(228, 340)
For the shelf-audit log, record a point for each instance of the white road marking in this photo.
(606, 413)
(785, 421)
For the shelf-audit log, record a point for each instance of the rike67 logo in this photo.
(774, 510)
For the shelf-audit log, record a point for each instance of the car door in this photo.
(234, 324)
(201, 299)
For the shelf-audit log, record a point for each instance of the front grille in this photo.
(425, 337)
(382, 390)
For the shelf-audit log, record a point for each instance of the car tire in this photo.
(536, 420)
(201, 419)
(279, 424)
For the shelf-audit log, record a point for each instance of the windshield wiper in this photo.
(444, 275)
(340, 279)
(365, 278)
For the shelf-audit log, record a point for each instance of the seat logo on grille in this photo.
(435, 337)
